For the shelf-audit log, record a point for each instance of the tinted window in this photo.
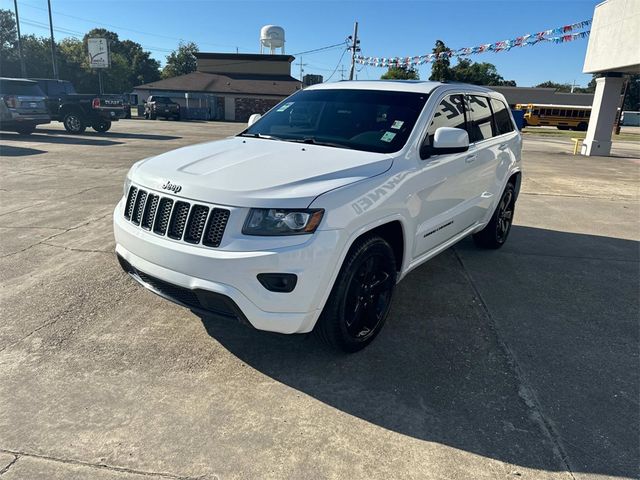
(501, 117)
(555, 112)
(9, 87)
(480, 125)
(370, 120)
(55, 88)
(449, 113)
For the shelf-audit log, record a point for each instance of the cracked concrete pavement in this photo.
(518, 363)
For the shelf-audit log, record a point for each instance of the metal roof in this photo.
(236, 83)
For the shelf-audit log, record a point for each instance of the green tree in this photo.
(478, 73)
(440, 68)
(130, 65)
(401, 73)
(9, 60)
(181, 61)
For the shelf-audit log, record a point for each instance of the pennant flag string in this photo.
(554, 35)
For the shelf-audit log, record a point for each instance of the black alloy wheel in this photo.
(361, 297)
(74, 123)
(495, 233)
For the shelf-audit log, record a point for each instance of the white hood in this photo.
(252, 172)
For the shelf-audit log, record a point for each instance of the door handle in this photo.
(503, 147)
(470, 158)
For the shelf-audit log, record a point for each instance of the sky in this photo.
(386, 29)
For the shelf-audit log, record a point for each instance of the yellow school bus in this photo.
(563, 117)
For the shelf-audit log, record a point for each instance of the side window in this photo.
(450, 113)
(480, 125)
(501, 117)
(55, 88)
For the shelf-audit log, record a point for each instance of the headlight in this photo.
(127, 184)
(266, 221)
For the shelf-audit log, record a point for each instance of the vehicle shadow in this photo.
(41, 136)
(11, 151)
(112, 134)
(440, 372)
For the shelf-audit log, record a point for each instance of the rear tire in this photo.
(582, 127)
(74, 123)
(495, 233)
(361, 296)
(102, 126)
(25, 129)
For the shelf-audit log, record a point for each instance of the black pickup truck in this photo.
(78, 111)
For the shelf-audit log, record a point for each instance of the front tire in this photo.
(495, 234)
(361, 296)
(102, 126)
(74, 123)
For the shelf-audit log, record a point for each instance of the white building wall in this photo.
(614, 42)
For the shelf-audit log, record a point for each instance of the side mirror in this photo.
(446, 140)
(254, 118)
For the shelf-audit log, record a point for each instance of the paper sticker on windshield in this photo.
(397, 125)
(284, 107)
(388, 136)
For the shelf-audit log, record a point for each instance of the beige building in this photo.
(613, 52)
(229, 86)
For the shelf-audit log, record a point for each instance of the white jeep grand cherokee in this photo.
(308, 218)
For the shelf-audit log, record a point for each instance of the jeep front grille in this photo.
(179, 220)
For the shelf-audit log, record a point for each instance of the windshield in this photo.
(162, 100)
(370, 120)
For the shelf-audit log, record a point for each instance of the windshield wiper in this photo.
(259, 135)
(313, 141)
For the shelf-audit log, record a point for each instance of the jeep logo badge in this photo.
(172, 187)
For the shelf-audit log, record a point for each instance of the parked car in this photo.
(157, 106)
(308, 225)
(78, 111)
(22, 105)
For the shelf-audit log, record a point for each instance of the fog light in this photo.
(278, 282)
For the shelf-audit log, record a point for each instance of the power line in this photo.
(126, 28)
(321, 48)
(80, 35)
(337, 65)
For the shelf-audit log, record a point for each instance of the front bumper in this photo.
(213, 277)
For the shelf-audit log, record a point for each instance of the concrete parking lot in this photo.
(520, 363)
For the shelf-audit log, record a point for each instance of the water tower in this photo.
(271, 37)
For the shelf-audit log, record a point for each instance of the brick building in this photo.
(228, 86)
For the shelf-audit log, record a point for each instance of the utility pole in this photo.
(302, 65)
(573, 86)
(341, 72)
(53, 44)
(354, 48)
(23, 69)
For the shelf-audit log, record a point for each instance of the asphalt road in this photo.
(520, 363)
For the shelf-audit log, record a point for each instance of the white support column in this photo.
(603, 113)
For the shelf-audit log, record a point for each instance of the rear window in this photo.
(60, 88)
(480, 127)
(501, 117)
(8, 87)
